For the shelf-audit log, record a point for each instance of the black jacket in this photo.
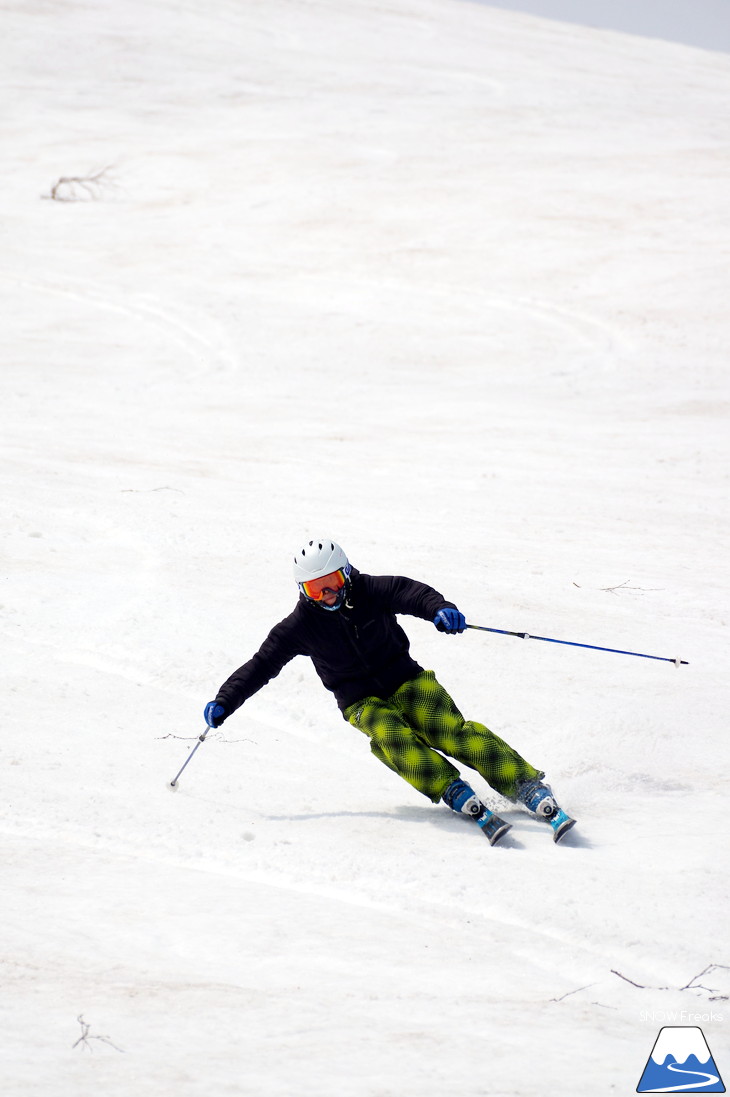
(358, 650)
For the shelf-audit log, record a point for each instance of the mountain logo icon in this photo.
(680, 1062)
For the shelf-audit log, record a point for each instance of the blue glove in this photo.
(450, 620)
(215, 714)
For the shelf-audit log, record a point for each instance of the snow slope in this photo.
(450, 284)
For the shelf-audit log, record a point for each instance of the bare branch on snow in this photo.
(85, 1038)
(209, 738)
(626, 585)
(693, 984)
(81, 188)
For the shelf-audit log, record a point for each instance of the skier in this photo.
(345, 622)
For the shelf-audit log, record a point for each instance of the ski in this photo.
(536, 797)
(495, 828)
(492, 826)
(561, 824)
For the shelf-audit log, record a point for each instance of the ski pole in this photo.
(201, 739)
(571, 643)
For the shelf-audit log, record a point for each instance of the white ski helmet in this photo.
(317, 558)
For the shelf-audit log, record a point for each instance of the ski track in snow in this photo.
(213, 353)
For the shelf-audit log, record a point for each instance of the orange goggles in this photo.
(326, 584)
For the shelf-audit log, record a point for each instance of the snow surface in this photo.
(448, 283)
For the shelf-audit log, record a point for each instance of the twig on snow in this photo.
(626, 585)
(81, 188)
(691, 985)
(569, 992)
(211, 738)
(639, 985)
(84, 1039)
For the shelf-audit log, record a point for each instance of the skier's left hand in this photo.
(450, 620)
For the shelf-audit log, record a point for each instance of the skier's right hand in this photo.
(215, 714)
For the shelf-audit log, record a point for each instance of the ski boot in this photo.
(462, 798)
(538, 798)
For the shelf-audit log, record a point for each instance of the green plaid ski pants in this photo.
(408, 730)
